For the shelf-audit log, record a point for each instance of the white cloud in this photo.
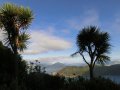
(61, 59)
(42, 42)
(89, 17)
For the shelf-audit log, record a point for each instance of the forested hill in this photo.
(72, 71)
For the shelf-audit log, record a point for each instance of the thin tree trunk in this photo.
(91, 72)
(15, 50)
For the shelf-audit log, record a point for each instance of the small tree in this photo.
(95, 45)
(14, 20)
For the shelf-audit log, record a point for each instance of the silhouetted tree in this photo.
(95, 44)
(14, 20)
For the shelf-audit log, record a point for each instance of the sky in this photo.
(56, 24)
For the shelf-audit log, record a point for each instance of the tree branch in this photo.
(84, 58)
(74, 54)
(95, 61)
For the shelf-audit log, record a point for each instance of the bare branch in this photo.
(72, 55)
(95, 61)
(84, 58)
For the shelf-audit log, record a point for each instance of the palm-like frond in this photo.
(25, 17)
(8, 13)
(23, 41)
(9, 10)
(103, 59)
(102, 43)
(94, 42)
(87, 36)
(14, 18)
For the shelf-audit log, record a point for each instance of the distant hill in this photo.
(72, 71)
(54, 67)
(113, 62)
(108, 70)
(49, 68)
(79, 68)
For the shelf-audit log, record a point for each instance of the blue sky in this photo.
(57, 22)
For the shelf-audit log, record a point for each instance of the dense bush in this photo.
(40, 81)
(96, 84)
(8, 69)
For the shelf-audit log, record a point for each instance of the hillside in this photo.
(72, 71)
(54, 67)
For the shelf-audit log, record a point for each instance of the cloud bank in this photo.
(61, 59)
(42, 42)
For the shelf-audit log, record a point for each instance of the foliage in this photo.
(94, 84)
(41, 81)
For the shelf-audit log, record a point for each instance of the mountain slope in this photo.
(72, 71)
(54, 67)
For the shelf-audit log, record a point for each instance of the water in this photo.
(114, 78)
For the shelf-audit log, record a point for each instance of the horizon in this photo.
(56, 24)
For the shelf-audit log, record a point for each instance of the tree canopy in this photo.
(14, 20)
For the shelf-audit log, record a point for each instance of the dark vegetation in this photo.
(16, 74)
